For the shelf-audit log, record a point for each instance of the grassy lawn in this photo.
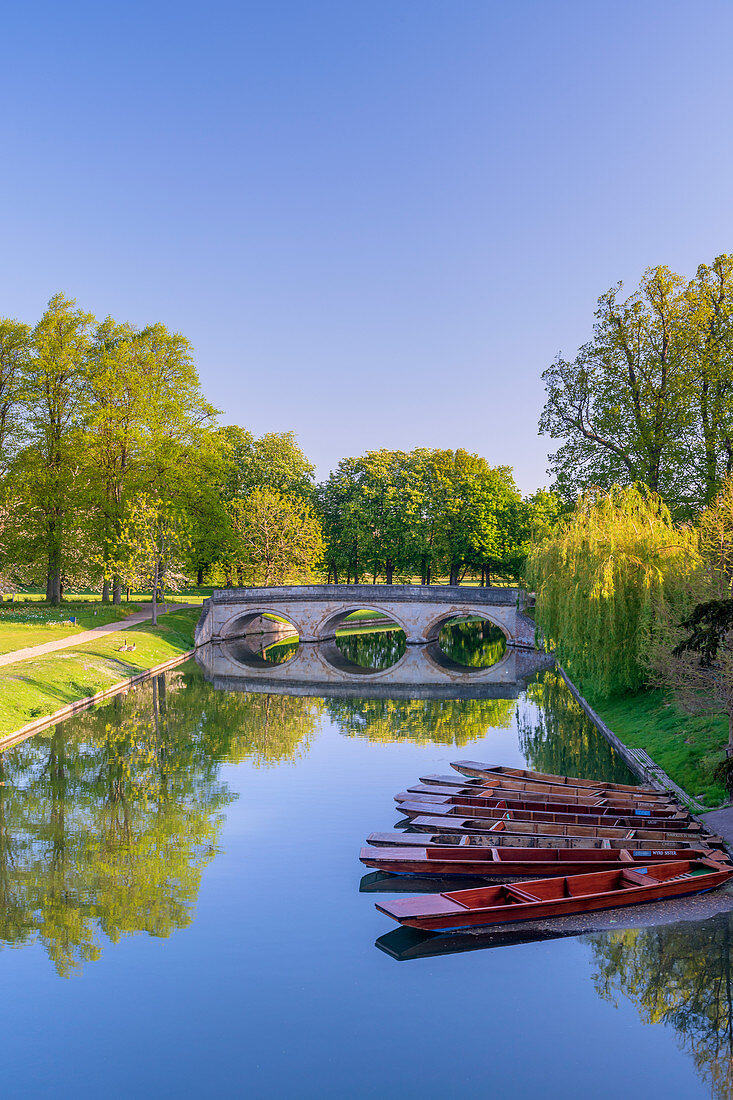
(688, 748)
(34, 688)
(33, 624)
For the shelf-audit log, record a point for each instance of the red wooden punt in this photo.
(500, 771)
(556, 897)
(469, 806)
(516, 825)
(480, 842)
(453, 862)
(568, 798)
(516, 784)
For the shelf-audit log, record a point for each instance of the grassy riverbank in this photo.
(34, 688)
(686, 747)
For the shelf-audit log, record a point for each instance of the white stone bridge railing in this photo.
(317, 611)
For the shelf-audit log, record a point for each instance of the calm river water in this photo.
(182, 913)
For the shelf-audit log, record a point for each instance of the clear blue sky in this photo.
(376, 221)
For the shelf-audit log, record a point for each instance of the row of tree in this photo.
(114, 472)
(428, 513)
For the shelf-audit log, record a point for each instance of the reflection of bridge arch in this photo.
(315, 611)
(321, 669)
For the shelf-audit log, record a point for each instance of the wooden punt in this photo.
(516, 784)
(503, 839)
(444, 822)
(446, 862)
(555, 897)
(414, 805)
(478, 770)
(567, 798)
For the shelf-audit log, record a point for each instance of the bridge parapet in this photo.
(316, 611)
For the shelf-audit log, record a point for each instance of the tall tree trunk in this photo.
(454, 567)
(335, 574)
(117, 589)
(105, 590)
(155, 595)
(200, 576)
(53, 585)
(389, 569)
(428, 573)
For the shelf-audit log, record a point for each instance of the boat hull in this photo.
(480, 770)
(509, 809)
(640, 795)
(589, 803)
(463, 862)
(486, 841)
(502, 826)
(482, 907)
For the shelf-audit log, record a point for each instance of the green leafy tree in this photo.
(55, 386)
(624, 404)
(276, 539)
(151, 548)
(607, 581)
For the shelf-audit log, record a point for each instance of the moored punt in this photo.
(449, 823)
(449, 862)
(554, 897)
(533, 840)
(414, 805)
(514, 783)
(480, 771)
(567, 798)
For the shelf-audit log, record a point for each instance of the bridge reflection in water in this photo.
(322, 669)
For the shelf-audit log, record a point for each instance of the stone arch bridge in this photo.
(317, 611)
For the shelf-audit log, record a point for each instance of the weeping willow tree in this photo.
(608, 580)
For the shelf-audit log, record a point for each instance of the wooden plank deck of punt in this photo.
(444, 862)
(480, 771)
(554, 897)
(416, 805)
(502, 826)
(516, 784)
(568, 798)
(479, 841)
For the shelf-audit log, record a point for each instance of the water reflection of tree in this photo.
(107, 821)
(680, 977)
(373, 649)
(264, 729)
(555, 734)
(474, 644)
(444, 721)
(280, 652)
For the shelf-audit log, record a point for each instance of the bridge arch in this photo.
(254, 622)
(333, 620)
(432, 631)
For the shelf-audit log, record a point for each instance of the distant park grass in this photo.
(686, 747)
(35, 623)
(38, 687)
